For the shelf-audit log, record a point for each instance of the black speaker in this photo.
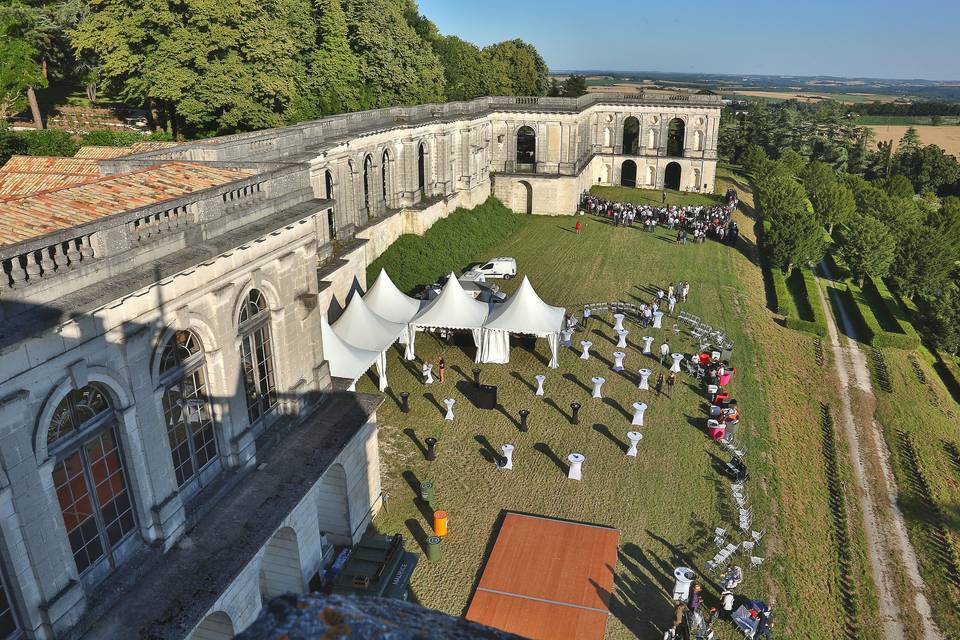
(486, 397)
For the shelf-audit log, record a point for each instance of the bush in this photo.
(798, 302)
(896, 311)
(121, 138)
(49, 142)
(448, 246)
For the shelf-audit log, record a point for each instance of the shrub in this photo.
(448, 245)
(785, 304)
(49, 142)
(798, 301)
(874, 333)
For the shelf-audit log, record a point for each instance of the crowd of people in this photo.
(693, 223)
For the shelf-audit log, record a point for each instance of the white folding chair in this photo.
(757, 535)
(747, 547)
(755, 562)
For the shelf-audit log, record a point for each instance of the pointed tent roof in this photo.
(526, 312)
(388, 302)
(453, 309)
(364, 329)
(346, 361)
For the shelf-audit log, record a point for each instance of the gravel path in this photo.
(886, 535)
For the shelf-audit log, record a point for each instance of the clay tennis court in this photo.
(548, 579)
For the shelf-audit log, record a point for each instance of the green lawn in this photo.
(667, 501)
(652, 196)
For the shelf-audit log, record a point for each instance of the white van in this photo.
(501, 267)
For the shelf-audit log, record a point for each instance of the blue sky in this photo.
(878, 38)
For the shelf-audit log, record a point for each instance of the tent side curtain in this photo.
(496, 347)
(410, 353)
(347, 361)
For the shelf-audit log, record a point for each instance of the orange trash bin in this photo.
(440, 523)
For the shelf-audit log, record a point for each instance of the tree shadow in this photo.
(410, 433)
(545, 449)
(418, 533)
(426, 511)
(605, 337)
(604, 430)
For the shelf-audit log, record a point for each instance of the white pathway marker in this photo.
(586, 344)
(618, 357)
(539, 378)
(639, 408)
(449, 402)
(644, 379)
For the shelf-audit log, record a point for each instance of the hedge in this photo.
(873, 332)
(785, 305)
(895, 310)
(817, 324)
(447, 246)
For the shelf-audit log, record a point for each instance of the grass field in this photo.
(947, 138)
(652, 196)
(919, 419)
(666, 502)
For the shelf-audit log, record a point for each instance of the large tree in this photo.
(397, 65)
(929, 168)
(866, 247)
(523, 65)
(463, 67)
(833, 204)
(21, 70)
(794, 239)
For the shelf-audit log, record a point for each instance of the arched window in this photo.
(256, 355)
(9, 626)
(526, 149)
(331, 216)
(88, 477)
(421, 169)
(367, 178)
(675, 138)
(186, 409)
(631, 136)
(385, 177)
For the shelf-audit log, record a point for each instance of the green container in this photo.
(433, 548)
(426, 492)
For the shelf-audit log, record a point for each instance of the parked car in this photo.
(502, 267)
(477, 289)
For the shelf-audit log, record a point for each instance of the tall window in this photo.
(631, 136)
(89, 477)
(256, 356)
(367, 178)
(421, 169)
(9, 628)
(331, 216)
(385, 177)
(186, 410)
(526, 149)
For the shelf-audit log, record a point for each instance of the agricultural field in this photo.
(809, 96)
(666, 502)
(946, 137)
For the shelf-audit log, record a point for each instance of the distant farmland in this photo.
(946, 137)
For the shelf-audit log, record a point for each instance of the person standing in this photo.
(441, 367)
(672, 303)
(664, 352)
(659, 386)
(671, 380)
(577, 227)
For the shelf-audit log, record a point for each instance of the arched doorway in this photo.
(628, 174)
(631, 136)
(280, 568)
(675, 133)
(331, 217)
(523, 196)
(367, 182)
(333, 510)
(671, 176)
(216, 626)
(421, 169)
(526, 149)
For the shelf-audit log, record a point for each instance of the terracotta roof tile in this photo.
(30, 216)
(49, 164)
(16, 184)
(102, 153)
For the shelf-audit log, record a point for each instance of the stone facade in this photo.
(109, 328)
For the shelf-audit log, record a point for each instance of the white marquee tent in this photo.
(525, 312)
(452, 309)
(391, 304)
(347, 361)
(360, 327)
